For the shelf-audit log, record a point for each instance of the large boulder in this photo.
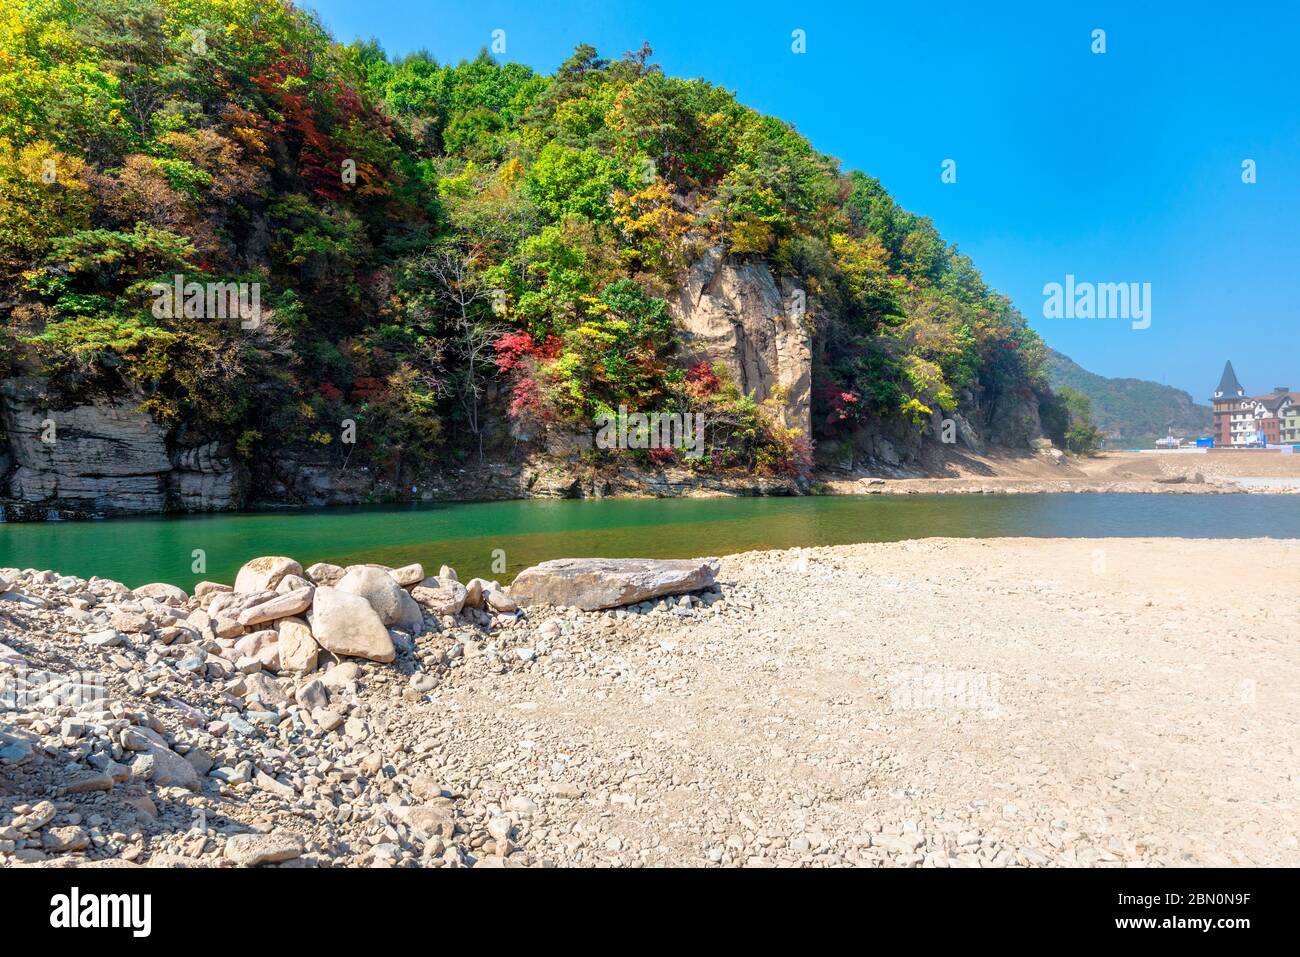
(251, 645)
(292, 583)
(498, 600)
(376, 586)
(595, 583)
(345, 624)
(263, 574)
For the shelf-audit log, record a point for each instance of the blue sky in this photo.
(1115, 167)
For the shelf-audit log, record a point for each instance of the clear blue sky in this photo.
(1124, 166)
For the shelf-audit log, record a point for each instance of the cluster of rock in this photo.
(132, 717)
(280, 616)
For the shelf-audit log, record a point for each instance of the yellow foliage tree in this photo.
(654, 229)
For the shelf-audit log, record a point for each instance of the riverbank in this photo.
(1213, 472)
(943, 472)
(944, 702)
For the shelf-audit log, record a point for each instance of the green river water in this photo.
(520, 533)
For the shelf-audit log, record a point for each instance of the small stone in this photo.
(63, 840)
(499, 601)
(313, 695)
(130, 621)
(108, 638)
(328, 720)
(268, 783)
(242, 773)
(522, 804)
(250, 850)
(87, 782)
(565, 790)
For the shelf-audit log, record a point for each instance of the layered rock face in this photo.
(204, 479)
(732, 311)
(105, 457)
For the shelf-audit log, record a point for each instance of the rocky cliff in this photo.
(103, 457)
(732, 311)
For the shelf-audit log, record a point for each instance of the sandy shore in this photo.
(930, 703)
(1188, 473)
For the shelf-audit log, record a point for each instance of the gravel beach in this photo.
(936, 703)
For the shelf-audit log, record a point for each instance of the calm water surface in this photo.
(136, 551)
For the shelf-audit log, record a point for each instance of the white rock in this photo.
(499, 601)
(323, 573)
(412, 617)
(298, 649)
(408, 575)
(163, 592)
(377, 587)
(440, 597)
(250, 850)
(346, 625)
(108, 638)
(284, 605)
(263, 574)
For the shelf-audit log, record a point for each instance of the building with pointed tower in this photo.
(1244, 421)
(1229, 408)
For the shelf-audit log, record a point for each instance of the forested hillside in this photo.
(459, 261)
(1131, 411)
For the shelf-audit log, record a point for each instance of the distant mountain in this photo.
(1132, 412)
